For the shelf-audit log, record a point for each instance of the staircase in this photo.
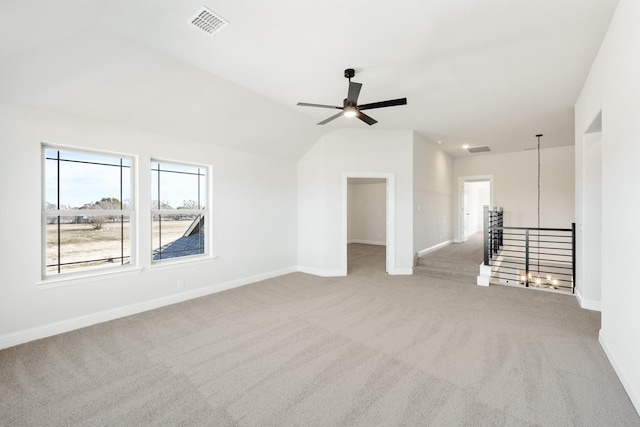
(448, 270)
(459, 262)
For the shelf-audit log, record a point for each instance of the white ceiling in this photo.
(481, 72)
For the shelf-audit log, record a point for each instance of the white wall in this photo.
(367, 212)
(254, 210)
(433, 193)
(613, 88)
(321, 179)
(351, 217)
(311, 206)
(515, 184)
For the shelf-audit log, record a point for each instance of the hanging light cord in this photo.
(538, 136)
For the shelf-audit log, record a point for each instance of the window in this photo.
(88, 215)
(178, 209)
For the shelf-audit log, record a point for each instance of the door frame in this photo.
(390, 221)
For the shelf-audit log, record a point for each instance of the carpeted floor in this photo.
(458, 261)
(470, 251)
(363, 350)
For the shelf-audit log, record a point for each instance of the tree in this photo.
(106, 203)
(189, 204)
(162, 205)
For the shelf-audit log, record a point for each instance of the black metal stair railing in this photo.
(493, 236)
(528, 256)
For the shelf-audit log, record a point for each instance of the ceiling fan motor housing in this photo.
(349, 72)
(347, 103)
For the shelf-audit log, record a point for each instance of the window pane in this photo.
(86, 180)
(177, 186)
(79, 243)
(177, 236)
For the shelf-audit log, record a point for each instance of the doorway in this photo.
(368, 221)
(589, 238)
(475, 193)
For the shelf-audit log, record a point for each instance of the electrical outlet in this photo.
(180, 284)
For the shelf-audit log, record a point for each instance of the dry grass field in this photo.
(102, 247)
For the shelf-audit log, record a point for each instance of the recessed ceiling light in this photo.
(439, 142)
(465, 146)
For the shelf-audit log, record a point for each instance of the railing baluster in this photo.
(487, 229)
(573, 257)
(526, 257)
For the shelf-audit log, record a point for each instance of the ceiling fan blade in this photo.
(325, 121)
(368, 120)
(354, 92)
(306, 104)
(390, 103)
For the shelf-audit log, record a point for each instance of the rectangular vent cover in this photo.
(482, 149)
(208, 21)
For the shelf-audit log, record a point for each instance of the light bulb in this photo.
(350, 112)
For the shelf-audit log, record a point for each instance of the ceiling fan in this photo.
(350, 107)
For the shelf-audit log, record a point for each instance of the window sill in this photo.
(169, 264)
(58, 281)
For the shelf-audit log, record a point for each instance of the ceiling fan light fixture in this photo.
(350, 112)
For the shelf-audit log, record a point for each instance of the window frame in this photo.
(131, 213)
(207, 254)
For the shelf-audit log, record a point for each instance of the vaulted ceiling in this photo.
(477, 72)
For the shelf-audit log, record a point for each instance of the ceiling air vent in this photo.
(482, 149)
(208, 21)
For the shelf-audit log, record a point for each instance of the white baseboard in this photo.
(21, 337)
(339, 273)
(434, 247)
(630, 388)
(320, 272)
(401, 272)
(367, 242)
(588, 304)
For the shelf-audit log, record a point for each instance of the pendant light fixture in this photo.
(538, 280)
(539, 136)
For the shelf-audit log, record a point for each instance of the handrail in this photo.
(532, 228)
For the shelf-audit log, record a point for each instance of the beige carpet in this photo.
(457, 261)
(363, 350)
